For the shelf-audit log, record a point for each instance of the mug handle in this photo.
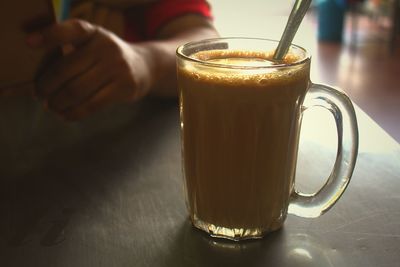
(340, 106)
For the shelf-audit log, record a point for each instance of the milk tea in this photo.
(240, 125)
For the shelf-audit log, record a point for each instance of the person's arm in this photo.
(101, 69)
(160, 55)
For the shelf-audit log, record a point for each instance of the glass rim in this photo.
(180, 54)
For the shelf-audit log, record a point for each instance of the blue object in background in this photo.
(65, 9)
(61, 8)
(331, 20)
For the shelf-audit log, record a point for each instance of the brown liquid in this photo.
(240, 132)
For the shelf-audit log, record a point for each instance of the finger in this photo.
(62, 70)
(79, 89)
(104, 97)
(71, 31)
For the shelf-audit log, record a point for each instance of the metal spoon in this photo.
(296, 16)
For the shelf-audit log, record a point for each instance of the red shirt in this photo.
(143, 22)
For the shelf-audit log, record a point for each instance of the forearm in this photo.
(159, 58)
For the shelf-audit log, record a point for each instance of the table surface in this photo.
(117, 200)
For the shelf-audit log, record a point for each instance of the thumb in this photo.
(73, 32)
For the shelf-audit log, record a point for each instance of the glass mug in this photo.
(240, 116)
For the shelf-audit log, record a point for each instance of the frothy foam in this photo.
(243, 67)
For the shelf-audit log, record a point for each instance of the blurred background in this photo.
(354, 45)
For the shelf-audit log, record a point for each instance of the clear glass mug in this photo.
(240, 119)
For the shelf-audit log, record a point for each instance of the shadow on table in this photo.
(41, 203)
(281, 248)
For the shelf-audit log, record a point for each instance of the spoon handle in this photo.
(296, 16)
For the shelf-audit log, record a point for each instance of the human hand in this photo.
(97, 69)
